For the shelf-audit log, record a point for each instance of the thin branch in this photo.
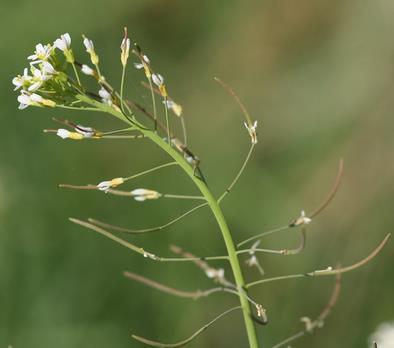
(229, 188)
(187, 340)
(232, 93)
(263, 234)
(140, 250)
(195, 295)
(332, 192)
(282, 251)
(314, 213)
(329, 271)
(146, 230)
(319, 321)
(167, 289)
(134, 176)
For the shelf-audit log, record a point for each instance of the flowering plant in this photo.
(54, 80)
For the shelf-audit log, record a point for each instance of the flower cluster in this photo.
(40, 82)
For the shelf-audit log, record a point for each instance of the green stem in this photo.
(215, 208)
(217, 212)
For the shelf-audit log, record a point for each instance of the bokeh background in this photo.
(319, 78)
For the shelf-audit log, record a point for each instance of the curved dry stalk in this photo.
(282, 251)
(140, 250)
(146, 230)
(329, 271)
(232, 93)
(332, 192)
(203, 265)
(314, 213)
(319, 321)
(195, 295)
(168, 289)
(187, 340)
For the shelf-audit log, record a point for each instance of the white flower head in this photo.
(176, 108)
(22, 81)
(63, 133)
(302, 220)
(106, 185)
(87, 70)
(105, 96)
(144, 62)
(90, 49)
(64, 43)
(87, 132)
(158, 80)
(125, 50)
(25, 99)
(41, 54)
(252, 131)
(144, 194)
(215, 273)
(48, 68)
(383, 336)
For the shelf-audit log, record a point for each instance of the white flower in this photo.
(106, 185)
(63, 43)
(22, 81)
(143, 194)
(25, 99)
(105, 96)
(176, 108)
(215, 273)
(40, 76)
(88, 45)
(158, 80)
(143, 64)
(302, 220)
(90, 49)
(125, 49)
(87, 132)
(87, 70)
(41, 54)
(383, 336)
(48, 68)
(252, 131)
(63, 133)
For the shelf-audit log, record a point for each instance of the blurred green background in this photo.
(319, 78)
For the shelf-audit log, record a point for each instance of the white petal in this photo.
(63, 133)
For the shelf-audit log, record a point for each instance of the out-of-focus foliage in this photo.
(318, 76)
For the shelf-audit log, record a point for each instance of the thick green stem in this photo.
(217, 212)
(215, 208)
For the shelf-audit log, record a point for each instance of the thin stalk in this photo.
(121, 87)
(229, 188)
(153, 104)
(150, 170)
(146, 230)
(140, 250)
(167, 121)
(167, 195)
(76, 74)
(266, 233)
(77, 108)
